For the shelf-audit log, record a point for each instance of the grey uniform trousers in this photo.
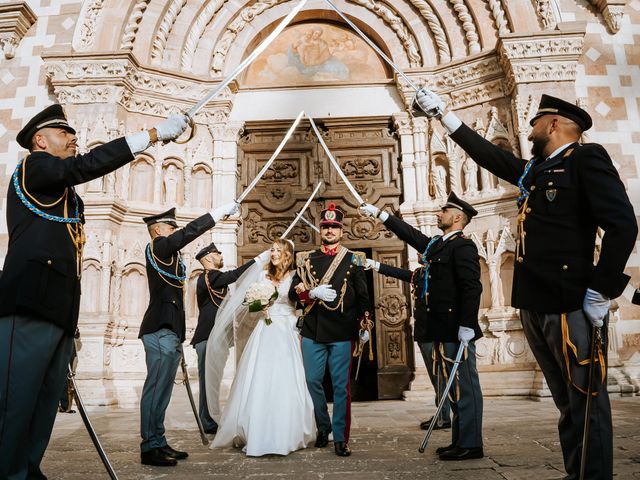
(544, 334)
(436, 375)
(465, 396)
(34, 355)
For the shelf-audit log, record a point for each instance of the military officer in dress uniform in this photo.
(40, 286)
(211, 288)
(447, 293)
(331, 285)
(163, 327)
(567, 191)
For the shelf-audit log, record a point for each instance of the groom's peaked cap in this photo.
(331, 216)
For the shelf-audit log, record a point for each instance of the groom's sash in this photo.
(307, 278)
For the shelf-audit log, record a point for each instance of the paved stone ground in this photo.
(520, 442)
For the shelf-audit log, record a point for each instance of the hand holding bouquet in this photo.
(259, 297)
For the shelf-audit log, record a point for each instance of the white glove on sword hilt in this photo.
(172, 127)
(369, 210)
(226, 210)
(595, 307)
(430, 103)
(465, 335)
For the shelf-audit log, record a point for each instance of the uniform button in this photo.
(173, 301)
(48, 262)
(428, 309)
(533, 187)
(520, 259)
(565, 267)
(528, 210)
(450, 310)
(550, 184)
(429, 276)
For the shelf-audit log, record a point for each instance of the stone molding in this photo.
(611, 11)
(15, 19)
(548, 56)
(118, 77)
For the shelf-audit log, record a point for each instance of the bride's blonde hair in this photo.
(278, 272)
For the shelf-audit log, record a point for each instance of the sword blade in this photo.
(335, 163)
(185, 377)
(358, 367)
(372, 45)
(92, 433)
(452, 376)
(247, 61)
(266, 166)
(299, 215)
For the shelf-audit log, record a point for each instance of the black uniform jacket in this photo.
(322, 324)
(572, 194)
(454, 290)
(39, 273)
(209, 302)
(166, 297)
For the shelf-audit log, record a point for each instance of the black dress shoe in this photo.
(440, 450)
(458, 453)
(322, 439)
(157, 458)
(342, 449)
(171, 453)
(425, 425)
(212, 430)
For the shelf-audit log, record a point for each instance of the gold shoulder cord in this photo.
(212, 291)
(76, 230)
(156, 259)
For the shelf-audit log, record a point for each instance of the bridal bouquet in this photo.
(259, 297)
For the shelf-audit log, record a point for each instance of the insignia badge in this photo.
(330, 215)
(551, 194)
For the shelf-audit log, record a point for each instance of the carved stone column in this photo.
(403, 126)
(421, 156)
(187, 184)
(105, 273)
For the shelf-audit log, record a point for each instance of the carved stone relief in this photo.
(15, 19)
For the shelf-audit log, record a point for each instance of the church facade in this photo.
(119, 66)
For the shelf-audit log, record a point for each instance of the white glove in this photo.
(364, 336)
(264, 256)
(430, 103)
(369, 210)
(465, 335)
(595, 307)
(324, 293)
(226, 210)
(172, 127)
(372, 264)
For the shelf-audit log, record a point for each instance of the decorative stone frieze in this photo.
(549, 56)
(119, 78)
(15, 19)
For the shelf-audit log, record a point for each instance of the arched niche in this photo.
(316, 52)
(441, 175)
(172, 182)
(90, 284)
(134, 294)
(201, 186)
(141, 179)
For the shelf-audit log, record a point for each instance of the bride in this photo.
(269, 409)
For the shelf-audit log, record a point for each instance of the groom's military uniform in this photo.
(211, 289)
(330, 328)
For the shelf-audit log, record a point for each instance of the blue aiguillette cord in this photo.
(37, 211)
(423, 261)
(162, 272)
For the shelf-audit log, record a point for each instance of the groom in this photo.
(331, 285)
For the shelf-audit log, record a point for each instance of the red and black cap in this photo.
(331, 216)
(51, 117)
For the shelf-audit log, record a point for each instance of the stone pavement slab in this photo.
(520, 443)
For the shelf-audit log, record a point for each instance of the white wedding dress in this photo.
(269, 409)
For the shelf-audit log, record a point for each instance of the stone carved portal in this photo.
(368, 154)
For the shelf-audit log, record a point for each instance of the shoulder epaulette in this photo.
(301, 257)
(359, 259)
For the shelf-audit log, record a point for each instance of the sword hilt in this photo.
(192, 125)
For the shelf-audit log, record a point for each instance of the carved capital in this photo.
(548, 56)
(15, 19)
(612, 11)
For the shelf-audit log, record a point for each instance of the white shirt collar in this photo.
(558, 150)
(446, 237)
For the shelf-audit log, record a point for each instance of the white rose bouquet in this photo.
(259, 297)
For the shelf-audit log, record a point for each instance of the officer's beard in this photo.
(538, 145)
(333, 241)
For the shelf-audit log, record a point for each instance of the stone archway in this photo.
(367, 152)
